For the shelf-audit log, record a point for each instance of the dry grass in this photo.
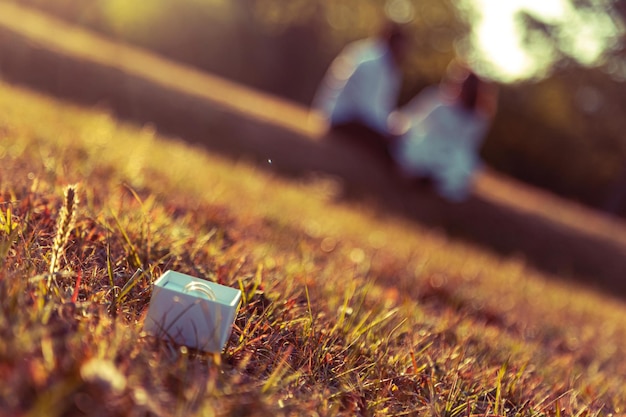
(346, 311)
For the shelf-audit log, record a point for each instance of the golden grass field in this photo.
(352, 306)
(504, 216)
(347, 310)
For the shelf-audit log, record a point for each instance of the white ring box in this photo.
(192, 312)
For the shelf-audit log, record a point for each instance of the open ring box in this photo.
(192, 312)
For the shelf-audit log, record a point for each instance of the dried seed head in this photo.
(67, 218)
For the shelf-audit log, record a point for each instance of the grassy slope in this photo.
(146, 88)
(356, 313)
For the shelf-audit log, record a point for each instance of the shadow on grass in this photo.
(544, 244)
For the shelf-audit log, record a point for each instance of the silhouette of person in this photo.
(447, 126)
(360, 89)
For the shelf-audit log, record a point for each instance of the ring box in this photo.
(192, 312)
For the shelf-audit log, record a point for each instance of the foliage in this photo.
(346, 311)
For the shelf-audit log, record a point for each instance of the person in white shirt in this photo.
(447, 127)
(360, 90)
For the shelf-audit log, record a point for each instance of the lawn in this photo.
(346, 310)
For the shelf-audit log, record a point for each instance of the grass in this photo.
(346, 311)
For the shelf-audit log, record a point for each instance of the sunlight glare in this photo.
(498, 38)
(510, 53)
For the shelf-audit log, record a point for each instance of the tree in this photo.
(522, 40)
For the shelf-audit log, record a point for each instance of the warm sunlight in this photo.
(508, 51)
(182, 233)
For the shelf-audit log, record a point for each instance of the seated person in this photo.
(360, 89)
(447, 127)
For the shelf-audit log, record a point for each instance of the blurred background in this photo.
(560, 65)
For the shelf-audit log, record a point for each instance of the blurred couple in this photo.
(437, 135)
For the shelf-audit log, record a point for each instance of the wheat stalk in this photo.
(67, 218)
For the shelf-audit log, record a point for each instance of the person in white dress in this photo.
(360, 89)
(447, 125)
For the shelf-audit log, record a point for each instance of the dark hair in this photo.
(468, 95)
(393, 32)
(396, 38)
